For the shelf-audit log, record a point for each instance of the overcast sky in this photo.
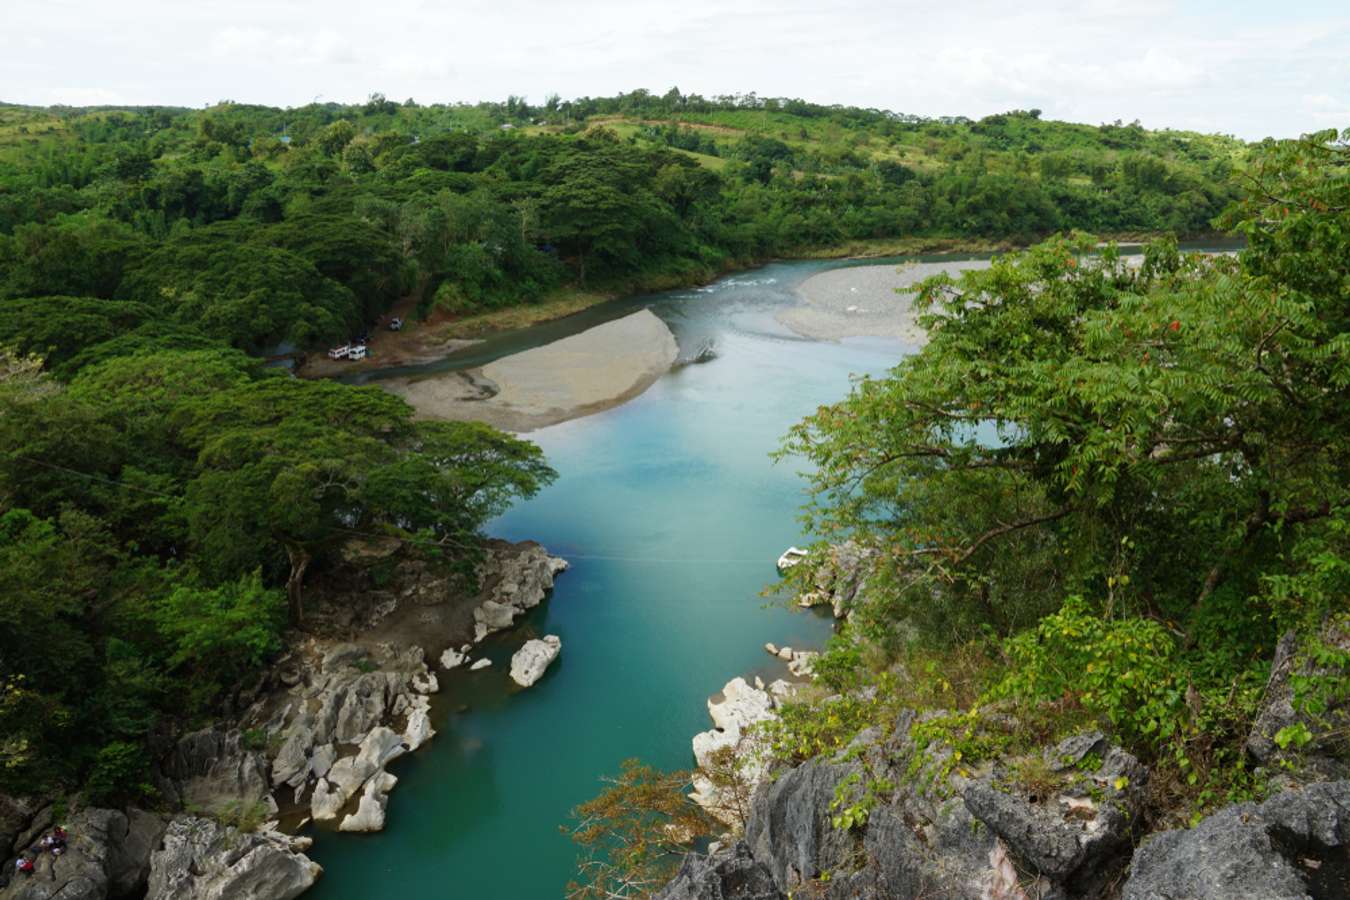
(1241, 67)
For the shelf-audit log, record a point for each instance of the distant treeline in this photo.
(254, 225)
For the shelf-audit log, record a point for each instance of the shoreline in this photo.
(576, 376)
(422, 342)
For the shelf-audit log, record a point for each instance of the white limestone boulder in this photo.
(531, 661)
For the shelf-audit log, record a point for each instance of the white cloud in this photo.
(1168, 63)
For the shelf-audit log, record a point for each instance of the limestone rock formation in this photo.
(212, 770)
(107, 856)
(729, 873)
(204, 860)
(974, 836)
(1326, 753)
(513, 582)
(1294, 845)
(740, 707)
(530, 661)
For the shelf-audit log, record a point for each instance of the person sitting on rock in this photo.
(24, 864)
(59, 837)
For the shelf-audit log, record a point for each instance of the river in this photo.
(672, 515)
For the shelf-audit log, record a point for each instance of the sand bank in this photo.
(861, 301)
(576, 376)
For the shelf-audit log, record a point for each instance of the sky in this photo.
(1252, 69)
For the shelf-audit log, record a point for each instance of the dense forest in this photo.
(163, 495)
(257, 226)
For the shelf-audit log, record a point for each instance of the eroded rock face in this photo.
(204, 860)
(730, 873)
(1080, 824)
(969, 836)
(1293, 846)
(351, 697)
(349, 775)
(513, 580)
(212, 770)
(107, 856)
(531, 661)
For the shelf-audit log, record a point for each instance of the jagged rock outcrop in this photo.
(349, 697)
(531, 661)
(1084, 821)
(204, 860)
(513, 581)
(979, 835)
(1293, 846)
(730, 873)
(363, 773)
(107, 857)
(838, 578)
(211, 770)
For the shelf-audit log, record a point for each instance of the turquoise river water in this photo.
(672, 515)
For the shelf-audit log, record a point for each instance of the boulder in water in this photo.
(530, 662)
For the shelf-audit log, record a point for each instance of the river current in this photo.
(671, 514)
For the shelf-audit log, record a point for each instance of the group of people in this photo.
(55, 843)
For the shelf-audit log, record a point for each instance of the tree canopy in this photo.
(1105, 464)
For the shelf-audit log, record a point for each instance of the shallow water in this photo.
(672, 515)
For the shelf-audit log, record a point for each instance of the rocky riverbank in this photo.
(1066, 821)
(579, 375)
(313, 745)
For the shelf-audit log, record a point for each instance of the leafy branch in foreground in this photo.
(634, 833)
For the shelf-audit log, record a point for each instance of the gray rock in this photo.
(790, 831)
(107, 856)
(129, 858)
(531, 661)
(1293, 846)
(839, 577)
(210, 770)
(1080, 829)
(322, 760)
(204, 860)
(729, 873)
(16, 816)
(349, 775)
(369, 815)
(495, 616)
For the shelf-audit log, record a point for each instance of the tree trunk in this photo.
(295, 583)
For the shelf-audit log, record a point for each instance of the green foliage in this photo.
(223, 632)
(158, 516)
(633, 835)
(120, 774)
(1132, 477)
(1124, 671)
